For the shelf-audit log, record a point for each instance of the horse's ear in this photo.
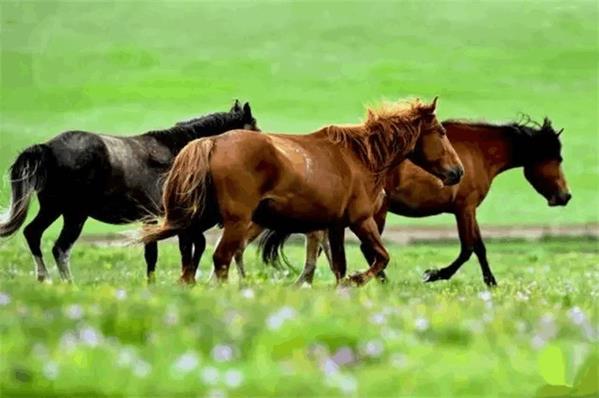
(429, 110)
(236, 106)
(247, 111)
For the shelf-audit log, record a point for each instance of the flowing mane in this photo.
(389, 131)
(534, 140)
(181, 133)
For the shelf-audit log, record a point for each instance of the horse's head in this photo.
(543, 164)
(249, 122)
(433, 151)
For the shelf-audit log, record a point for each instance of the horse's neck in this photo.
(501, 152)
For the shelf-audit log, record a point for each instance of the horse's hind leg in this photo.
(186, 251)
(253, 232)
(33, 234)
(151, 257)
(199, 245)
(338, 261)
(71, 229)
(232, 240)
(481, 252)
(313, 243)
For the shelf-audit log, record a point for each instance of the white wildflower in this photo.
(141, 368)
(210, 375)
(4, 298)
(186, 362)
(421, 324)
(90, 336)
(277, 319)
(248, 293)
(373, 349)
(577, 316)
(50, 370)
(329, 367)
(74, 311)
(120, 294)
(222, 353)
(233, 378)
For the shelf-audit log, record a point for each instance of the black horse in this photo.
(116, 180)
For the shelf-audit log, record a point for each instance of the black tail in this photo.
(271, 245)
(27, 174)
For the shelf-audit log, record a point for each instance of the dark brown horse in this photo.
(277, 181)
(486, 150)
(112, 179)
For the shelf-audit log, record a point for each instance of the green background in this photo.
(127, 67)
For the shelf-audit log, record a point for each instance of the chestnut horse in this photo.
(486, 150)
(276, 180)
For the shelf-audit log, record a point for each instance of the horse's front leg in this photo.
(368, 233)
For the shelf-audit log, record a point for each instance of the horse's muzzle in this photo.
(560, 199)
(453, 176)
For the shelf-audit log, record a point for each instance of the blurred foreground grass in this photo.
(110, 334)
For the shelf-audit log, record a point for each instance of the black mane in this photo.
(180, 134)
(534, 140)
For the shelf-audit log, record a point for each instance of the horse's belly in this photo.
(415, 203)
(294, 215)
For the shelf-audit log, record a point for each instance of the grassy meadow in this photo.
(111, 335)
(126, 67)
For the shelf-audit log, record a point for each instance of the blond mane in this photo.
(389, 132)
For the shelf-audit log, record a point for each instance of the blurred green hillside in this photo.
(126, 67)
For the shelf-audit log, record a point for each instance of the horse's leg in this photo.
(71, 229)
(186, 249)
(253, 232)
(325, 245)
(368, 233)
(33, 234)
(467, 231)
(481, 252)
(199, 245)
(232, 240)
(313, 240)
(151, 257)
(380, 218)
(338, 262)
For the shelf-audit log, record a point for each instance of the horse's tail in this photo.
(271, 246)
(186, 191)
(28, 174)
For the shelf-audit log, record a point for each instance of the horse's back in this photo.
(295, 178)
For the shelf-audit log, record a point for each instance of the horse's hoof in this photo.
(490, 281)
(44, 279)
(187, 281)
(355, 280)
(430, 275)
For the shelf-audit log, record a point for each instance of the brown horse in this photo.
(486, 150)
(276, 180)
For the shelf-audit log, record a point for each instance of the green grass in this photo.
(109, 334)
(127, 67)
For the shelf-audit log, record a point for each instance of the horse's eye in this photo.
(442, 131)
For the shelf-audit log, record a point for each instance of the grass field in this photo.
(127, 67)
(111, 335)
